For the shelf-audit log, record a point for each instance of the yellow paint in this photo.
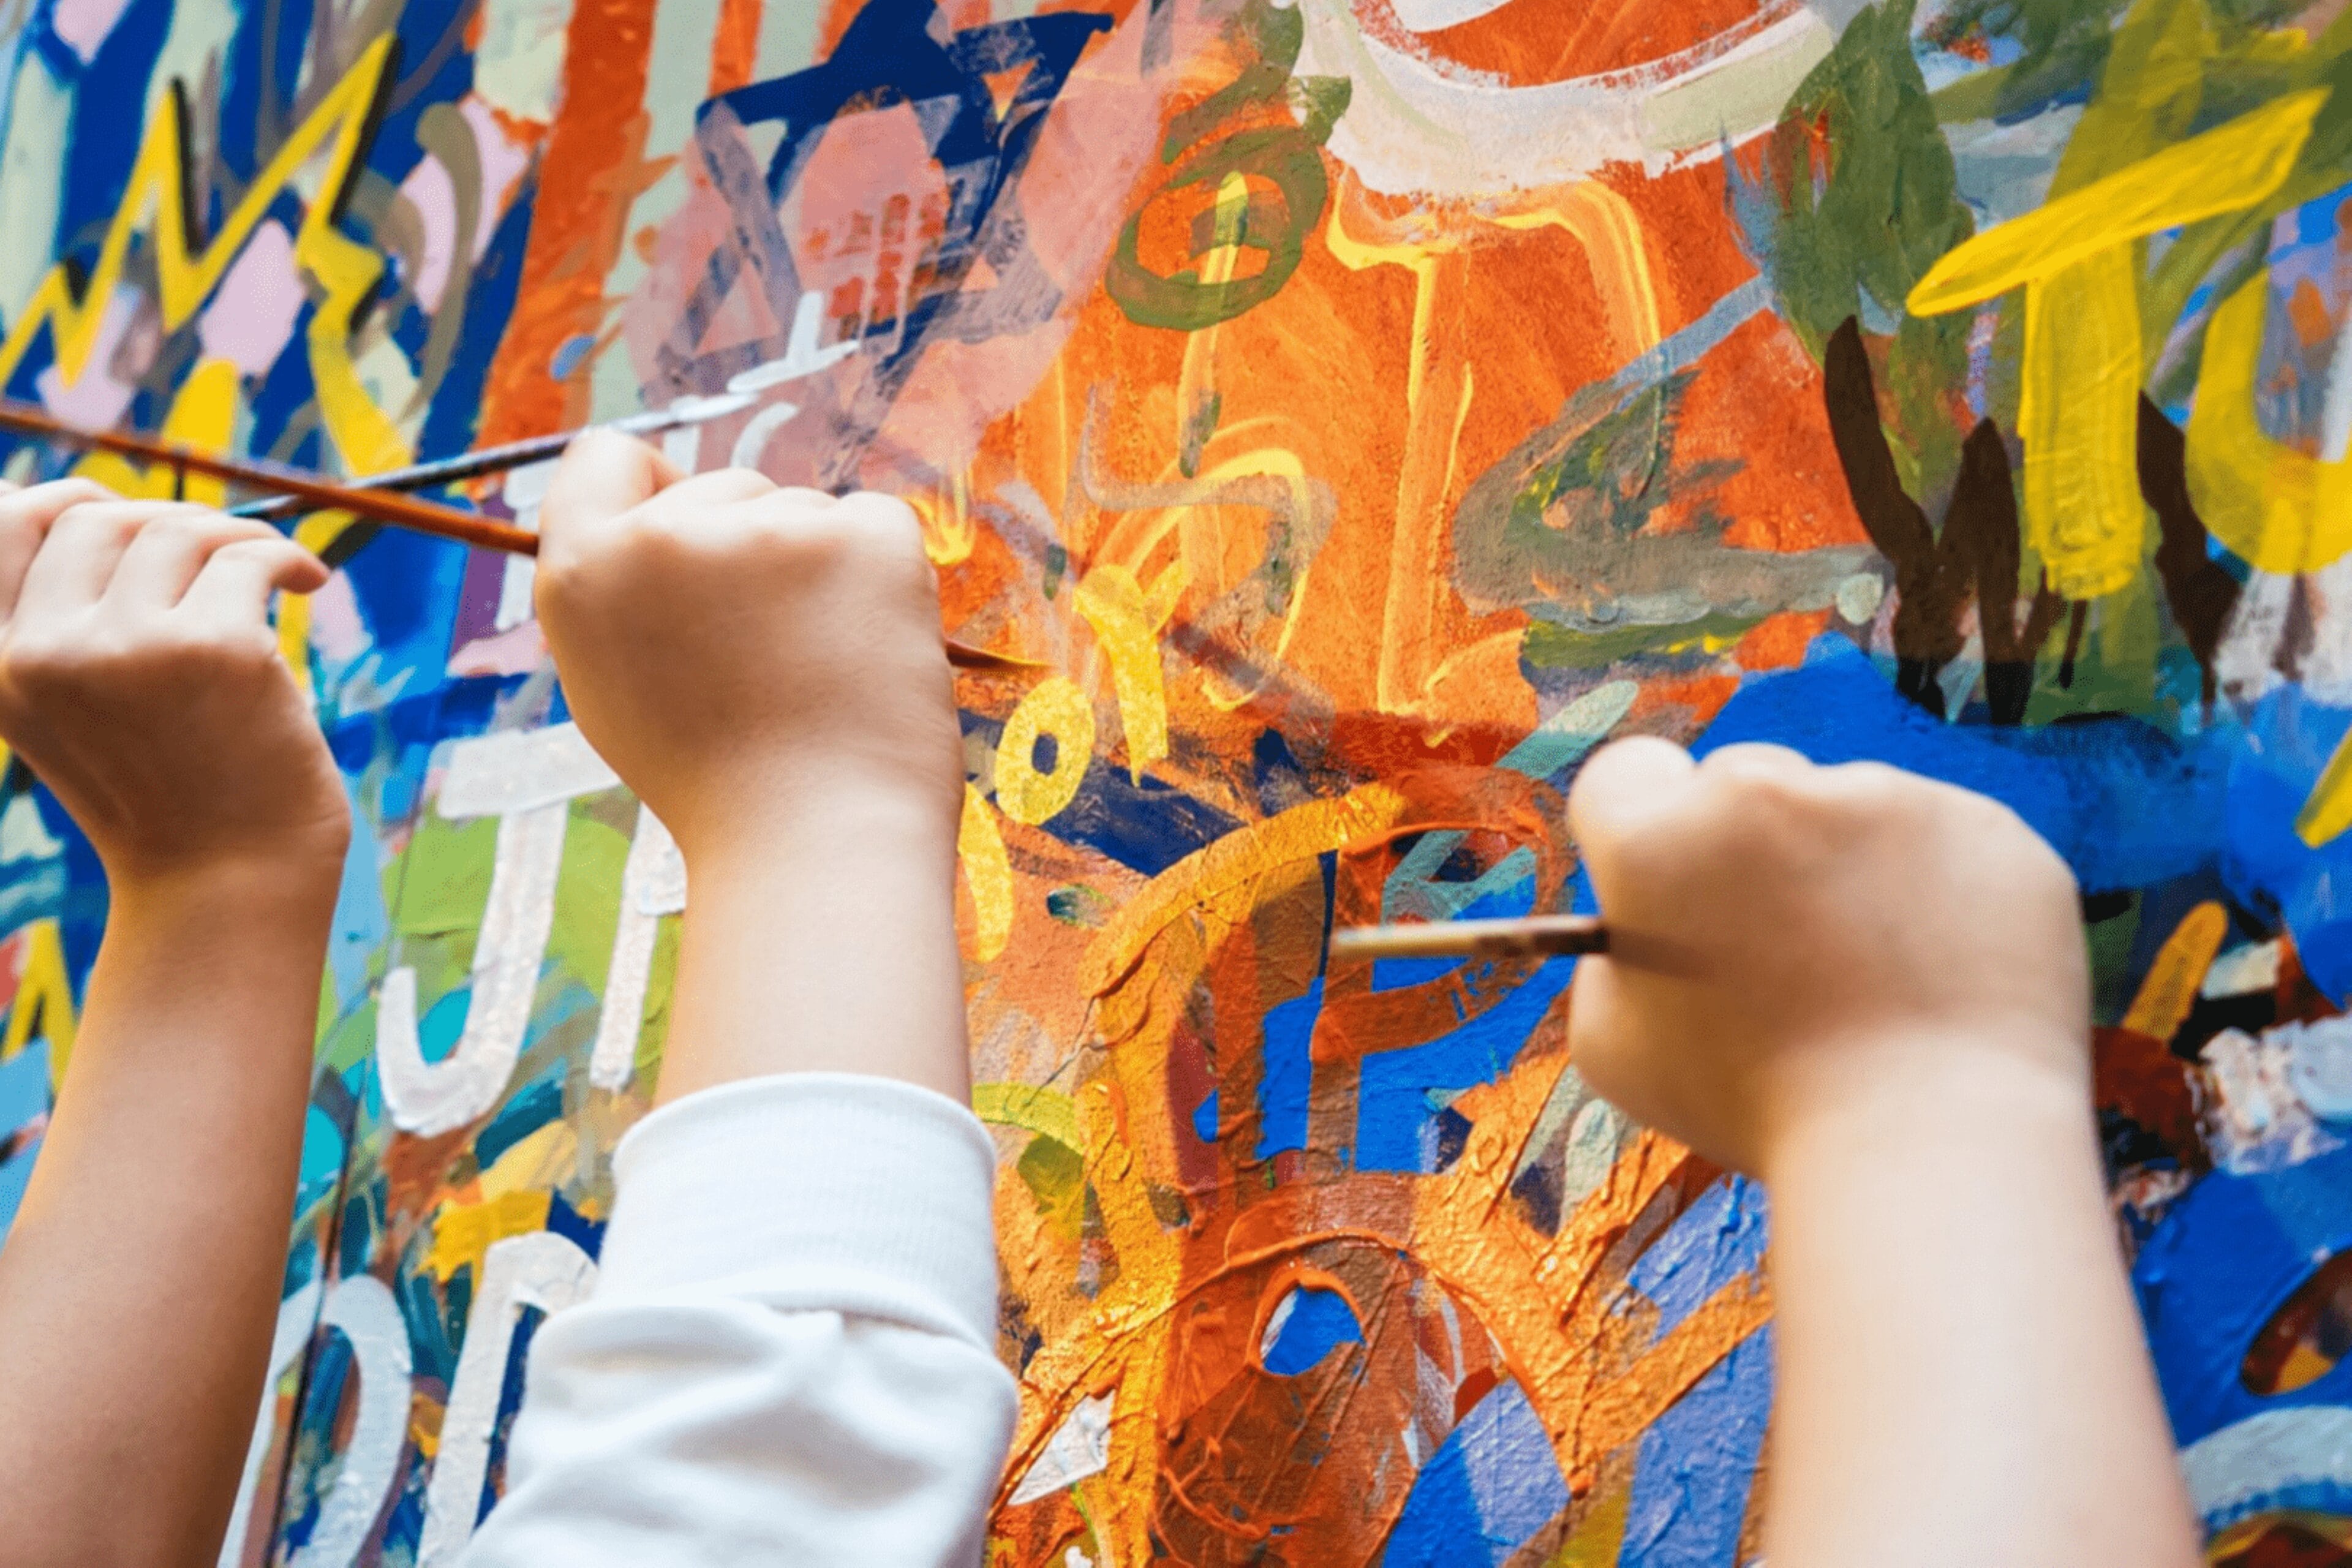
(2079, 413)
(2283, 510)
(43, 992)
(1609, 230)
(2328, 811)
(2079, 419)
(1316, 828)
(2227, 169)
(464, 1233)
(203, 417)
(154, 203)
(1057, 708)
(1599, 1537)
(2170, 992)
(949, 533)
(1127, 622)
(988, 873)
(1045, 1112)
(541, 1160)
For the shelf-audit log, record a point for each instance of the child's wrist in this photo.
(296, 878)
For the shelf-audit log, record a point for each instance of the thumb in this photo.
(603, 474)
(1626, 784)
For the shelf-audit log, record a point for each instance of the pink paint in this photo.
(251, 317)
(434, 198)
(82, 24)
(336, 630)
(502, 160)
(100, 396)
(517, 652)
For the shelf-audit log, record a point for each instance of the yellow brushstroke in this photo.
(1127, 622)
(44, 990)
(2079, 419)
(1610, 231)
(203, 417)
(1599, 1538)
(988, 873)
(2225, 170)
(464, 1233)
(2170, 992)
(154, 203)
(1056, 707)
(2082, 371)
(949, 533)
(1048, 1112)
(2283, 510)
(541, 1160)
(2328, 811)
(1316, 828)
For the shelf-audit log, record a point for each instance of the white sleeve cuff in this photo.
(811, 1192)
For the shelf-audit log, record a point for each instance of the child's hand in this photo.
(1791, 940)
(140, 680)
(760, 664)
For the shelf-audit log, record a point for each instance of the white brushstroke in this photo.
(1415, 124)
(24, 835)
(361, 1310)
(498, 775)
(1079, 1448)
(802, 357)
(518, 64)
(32, 177)
(653, 884)
(2242, 970)
(756, 432)
(1435, 16)
(298, 1319)
(428, 1097)
(2281, 1457)
(542, 1271)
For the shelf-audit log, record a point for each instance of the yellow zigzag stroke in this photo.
(348, 271)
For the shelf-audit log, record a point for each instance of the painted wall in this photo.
(1363, 408)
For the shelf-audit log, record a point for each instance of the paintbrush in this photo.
(1537, 936)
(511, 454)
(316, 492)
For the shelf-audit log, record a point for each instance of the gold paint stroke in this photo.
(2170, 992)
(1055, 707)
(2079, 411)
(1127, 621)
(988, 873)
(1048, 1113)
(1317, 827)
(44, 990)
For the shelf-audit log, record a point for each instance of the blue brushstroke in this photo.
(1318, 1323)
(1492, 1484)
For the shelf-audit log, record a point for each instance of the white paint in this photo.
(361, 1310)
(24, 835)
(2255, 1464)
(298, 1319)
(1417, 125)
(1858, 597)
(653, 884)
(2319, 1065)
(519, 65)
(497, 775)
(2256, 1119)
(32, 171)
(1079, 1448)
(761, 426)
(1433, 15)
(524, 491)
(2245, 667)
(542, 1271)
(429, 1097)
(2254, 967)
(802, 355)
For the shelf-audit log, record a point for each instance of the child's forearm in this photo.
(138, 1283)
(1962, 1379)
(821, 938)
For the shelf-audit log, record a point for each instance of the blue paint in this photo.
(563, 1220)
(1696, 1465)
(525, 1110)
(1715, 1241)
(362, 924)
(444, 1023)
(1395, 973)
(23, 1095)
(1491, 1485)
(1204, 1118)
(2122, 802)
(2222, 1260)
(1399, 1092)
(1317, 1323)
(322, 1155)
(1288, 1079)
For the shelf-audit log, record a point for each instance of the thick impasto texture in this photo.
(1360, 409)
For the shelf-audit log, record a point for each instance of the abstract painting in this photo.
(1360, 410)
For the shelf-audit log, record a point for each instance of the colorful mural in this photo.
(1361, 409)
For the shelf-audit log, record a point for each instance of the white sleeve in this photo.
(789, 1356)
